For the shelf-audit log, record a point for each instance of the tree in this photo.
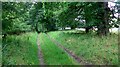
(13, 17)
(103, 17)
(49, 16)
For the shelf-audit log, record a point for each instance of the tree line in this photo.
(20, 17)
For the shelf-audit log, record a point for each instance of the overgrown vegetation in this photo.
(20, 50)
(90, 47)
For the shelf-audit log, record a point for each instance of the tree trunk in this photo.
(72, 27)
(87, 28)
(36, 28)
(106, 18)
(103, 27)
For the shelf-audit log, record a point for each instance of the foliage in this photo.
(49, 16)
(14, 17)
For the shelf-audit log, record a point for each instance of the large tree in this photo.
(14, 17)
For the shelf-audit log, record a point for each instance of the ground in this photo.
(23, 49)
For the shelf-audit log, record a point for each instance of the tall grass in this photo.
(20, 50)
(98, 50)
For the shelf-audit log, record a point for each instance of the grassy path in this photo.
(69, 52)
(40, 55)
(52, 54)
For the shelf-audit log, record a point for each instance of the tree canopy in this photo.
(50, 16)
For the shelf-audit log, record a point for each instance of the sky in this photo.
(111, 4)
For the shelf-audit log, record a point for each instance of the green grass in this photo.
(89, 46)
(53, 55)
(20, 50)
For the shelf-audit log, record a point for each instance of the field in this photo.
(23, 50)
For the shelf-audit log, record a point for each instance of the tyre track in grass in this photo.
(70, 53)
(53, 55)
(40, 54)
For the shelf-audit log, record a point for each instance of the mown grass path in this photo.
(52, 54)
(40, 55)
(69, 52)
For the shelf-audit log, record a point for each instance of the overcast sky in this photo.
(111, 4)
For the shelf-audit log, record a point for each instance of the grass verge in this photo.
(89, 46)
(20, 50)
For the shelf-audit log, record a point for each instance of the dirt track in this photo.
(40, 55)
